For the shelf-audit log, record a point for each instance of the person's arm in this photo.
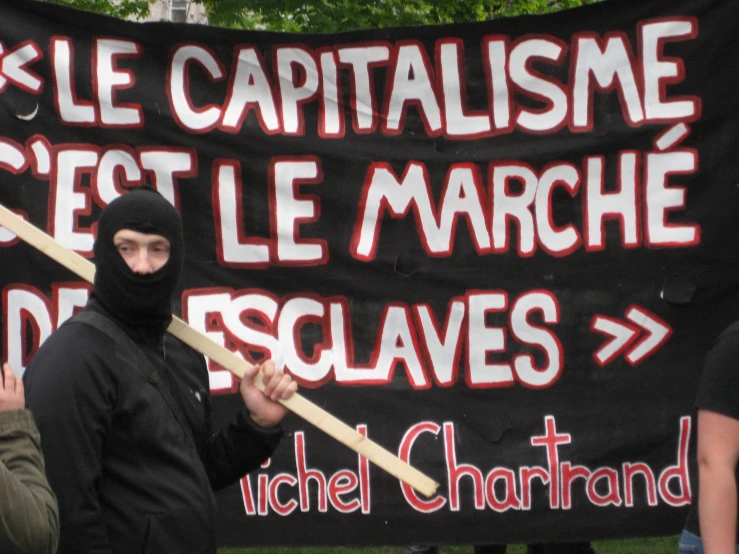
(71, 393)
(718, 454)
(255, 433)
(29, 518)
(237, 449)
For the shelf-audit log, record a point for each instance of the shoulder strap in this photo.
(152, 374)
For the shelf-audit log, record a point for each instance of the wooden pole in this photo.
(235, 364)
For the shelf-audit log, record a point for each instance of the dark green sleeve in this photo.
(29, 518)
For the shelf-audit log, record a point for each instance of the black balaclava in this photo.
(141, 301)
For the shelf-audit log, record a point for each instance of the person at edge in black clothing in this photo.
(132, 457)
(711, 526)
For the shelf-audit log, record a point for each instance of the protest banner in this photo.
(500, 250)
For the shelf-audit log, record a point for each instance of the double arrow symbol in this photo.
(624, 335)
(13, 67)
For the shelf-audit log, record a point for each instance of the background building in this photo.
(179, 11)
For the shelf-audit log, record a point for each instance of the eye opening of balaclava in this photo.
(143, 301)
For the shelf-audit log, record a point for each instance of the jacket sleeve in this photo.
(237, 449)
(240, 447)
(29, 518)
(71, 393)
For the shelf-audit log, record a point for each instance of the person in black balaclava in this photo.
(128, 443)
(138, 299)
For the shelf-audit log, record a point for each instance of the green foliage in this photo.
(315, 16)
(330, 16)
(120, 8)
(319, 16)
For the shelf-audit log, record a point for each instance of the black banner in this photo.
(498, 249)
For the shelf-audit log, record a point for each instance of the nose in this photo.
(142, 263)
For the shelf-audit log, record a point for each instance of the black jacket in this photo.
(127, 477)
